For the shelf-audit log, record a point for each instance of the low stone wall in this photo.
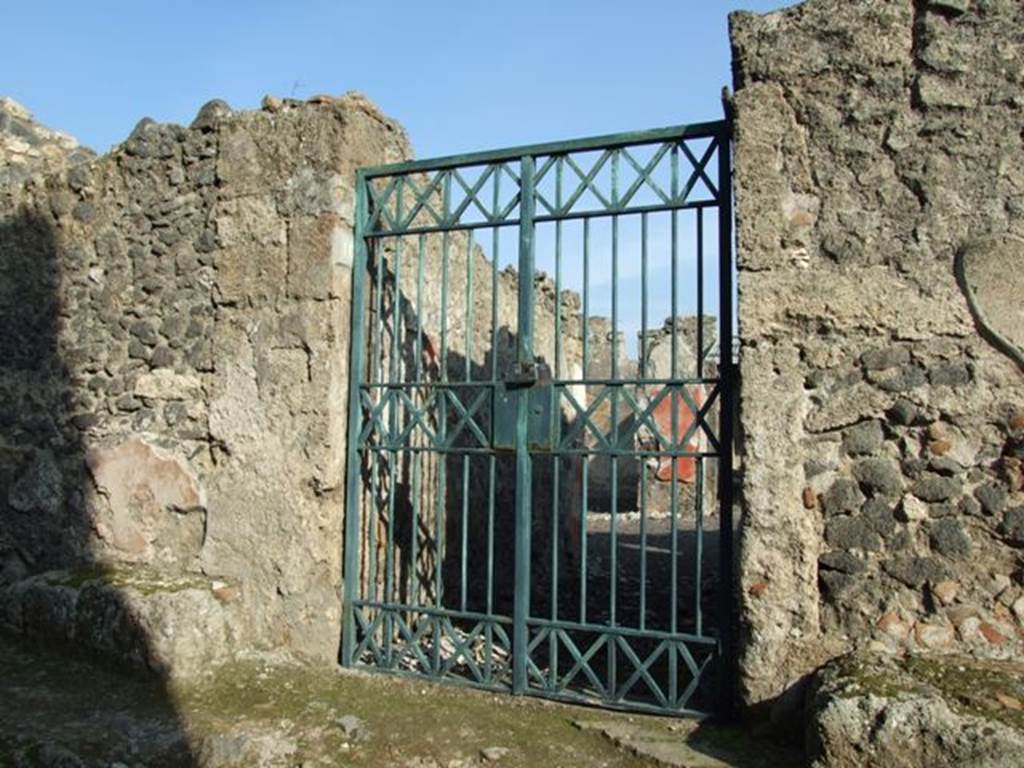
(879, 184)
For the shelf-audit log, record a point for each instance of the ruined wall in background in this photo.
(879, 174)
(28, 148)
(173, 380)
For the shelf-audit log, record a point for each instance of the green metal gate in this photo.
(540, 420)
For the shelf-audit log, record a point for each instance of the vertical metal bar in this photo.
(353, 513)
(469, 325)
(698, 487)
(585, 457)
(377, 376)
(524, 349)
(643, 462)
(556, 457)
(613, 539)
(673, 660)
(469, 328)
(700, 293)
(442, 433)
(394, 377)
(417, 456)
(727, 374)
(492, 459)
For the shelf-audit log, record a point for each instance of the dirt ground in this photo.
(61, 712)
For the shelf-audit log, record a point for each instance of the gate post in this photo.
(727, 374)
(524, 357)
(353, 514)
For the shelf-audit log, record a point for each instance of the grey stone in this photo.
(863, 438)
(852, 533)
(162, 357)
(84, 212)
(881, 515)
(914, 466)
(879, 476)
(915, 571)
(137, 350)
(39, 487)
(950, 375)
(948, 537)
(901, 379)
(352, 727)
(944, 465)
(1013, 526)
(843, 496)
(933, 487)
(904, 412)
(992, 497)
(885, 358)
(842, 561)
(836, 583)
(969, 505)
(954, 6)
(79, 177)
(143, 331)
(942, 509)
(908, 721)
(493, 754)
(127, 403)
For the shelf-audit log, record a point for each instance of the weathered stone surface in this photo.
(171, 626)
(948, 537)
(852, 533)
(875, 711)
(842, 497)
(992, 277)
(879, 476)
(885, 115)
(28, 148)
(177, 354)
(916, 571)
(934, 487)
(1013, 526)
(863, 438)
(149, 495)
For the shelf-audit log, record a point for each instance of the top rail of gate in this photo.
(713, 128)
(428, 207)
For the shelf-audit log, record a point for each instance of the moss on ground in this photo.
(973, 686)
(104, 715)
(969, 686)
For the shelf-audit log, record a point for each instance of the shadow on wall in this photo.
(52, 588)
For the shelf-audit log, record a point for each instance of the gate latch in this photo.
(529, 375)
(526, 385)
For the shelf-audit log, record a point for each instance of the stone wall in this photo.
(173, 379)
(879, 177)
(28, 148)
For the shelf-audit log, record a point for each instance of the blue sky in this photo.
(459, 75)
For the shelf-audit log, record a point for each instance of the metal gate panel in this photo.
(535, 504)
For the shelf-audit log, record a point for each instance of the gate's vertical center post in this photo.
(524, 358)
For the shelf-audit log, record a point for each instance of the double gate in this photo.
(540, 423)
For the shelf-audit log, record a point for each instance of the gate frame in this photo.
(728, 372)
